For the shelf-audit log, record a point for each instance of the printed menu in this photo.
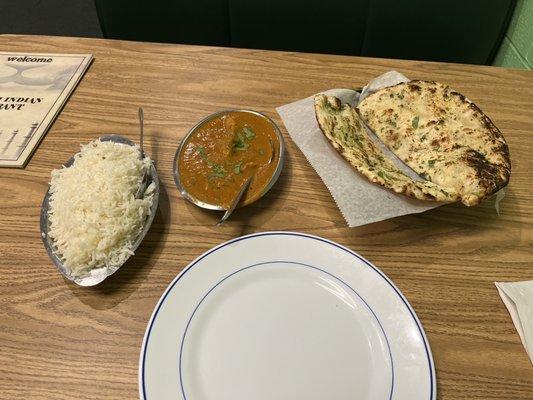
(33, 89)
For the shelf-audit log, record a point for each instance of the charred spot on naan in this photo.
(489, 176)
(413, 87)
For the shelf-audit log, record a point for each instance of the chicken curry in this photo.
(222, 153)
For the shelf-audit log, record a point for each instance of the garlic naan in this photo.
(442, 136)
(344, 129)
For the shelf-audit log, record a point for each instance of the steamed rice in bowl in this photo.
(94, 217)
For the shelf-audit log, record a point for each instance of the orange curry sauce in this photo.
(223, 152)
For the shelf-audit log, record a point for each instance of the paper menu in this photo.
(33, 89)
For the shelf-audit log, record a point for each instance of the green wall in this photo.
(516, 50)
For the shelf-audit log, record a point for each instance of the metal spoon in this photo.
(142, 187)
(244, 187)
(236, 200)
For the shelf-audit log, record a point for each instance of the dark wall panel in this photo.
(465, 31)
(49, 17)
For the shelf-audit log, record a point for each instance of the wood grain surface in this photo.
(61, 341)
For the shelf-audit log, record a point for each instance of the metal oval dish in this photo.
(99, 274)
(199, 203)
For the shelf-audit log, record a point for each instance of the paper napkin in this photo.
(518, 298)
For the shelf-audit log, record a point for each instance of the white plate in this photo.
(284, 316)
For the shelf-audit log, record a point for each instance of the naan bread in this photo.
(442, 136)
(343, 127)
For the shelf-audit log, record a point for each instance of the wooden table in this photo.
(61, 341)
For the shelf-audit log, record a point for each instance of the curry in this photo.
(220, 154)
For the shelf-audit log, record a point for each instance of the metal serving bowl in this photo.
(101, 273)
(209, 206)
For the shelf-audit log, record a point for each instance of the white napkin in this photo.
(518, 298)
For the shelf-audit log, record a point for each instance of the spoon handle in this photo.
(142, 186)
(141, 123)
(236, 201)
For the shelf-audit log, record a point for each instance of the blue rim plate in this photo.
(283, 315)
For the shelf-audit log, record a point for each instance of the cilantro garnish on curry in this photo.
(223, 152)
